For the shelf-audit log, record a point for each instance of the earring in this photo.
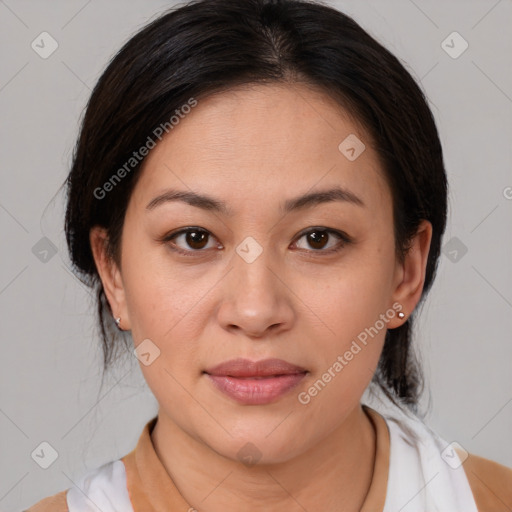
(401, 314)
(118, 321)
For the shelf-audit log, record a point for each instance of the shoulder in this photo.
(104, 486)
(482, 484)
(490, 482)
(55, 503)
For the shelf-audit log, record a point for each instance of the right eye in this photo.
(195, 238)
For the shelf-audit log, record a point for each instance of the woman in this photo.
(258, 196)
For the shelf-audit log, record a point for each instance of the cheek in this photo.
(351, 311)
(346, 354)
(158, 292)
(348, 307)
(165, 308)
(171, 305)
(350, 297)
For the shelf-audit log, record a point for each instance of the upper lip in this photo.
(246, 368)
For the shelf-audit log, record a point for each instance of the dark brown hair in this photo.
(208, 46)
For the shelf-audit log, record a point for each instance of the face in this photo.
(315, 284)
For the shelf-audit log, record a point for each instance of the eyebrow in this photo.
(209, 203)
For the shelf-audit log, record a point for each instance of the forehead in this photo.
(264, 142)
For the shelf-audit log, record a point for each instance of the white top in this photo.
(419, 480)
(101, 490)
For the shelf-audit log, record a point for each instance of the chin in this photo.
(253, 445)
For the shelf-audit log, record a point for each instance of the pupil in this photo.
(195, 238)
(316, 237)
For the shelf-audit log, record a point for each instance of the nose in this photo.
(256, 299)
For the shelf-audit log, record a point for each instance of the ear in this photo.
(110, 276)
(410, 275)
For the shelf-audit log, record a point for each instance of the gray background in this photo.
(51, 362)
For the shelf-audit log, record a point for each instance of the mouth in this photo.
(255, 382)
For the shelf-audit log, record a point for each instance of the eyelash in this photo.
(345, 240)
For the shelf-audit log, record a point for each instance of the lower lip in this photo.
(256, 391)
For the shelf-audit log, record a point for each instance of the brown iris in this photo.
(317, 238)
(195, 238)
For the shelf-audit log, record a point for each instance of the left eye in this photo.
(197, 239)
(318, 237)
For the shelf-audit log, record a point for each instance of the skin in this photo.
(252, 147)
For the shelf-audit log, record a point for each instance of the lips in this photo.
(244, 368)
(255, 382)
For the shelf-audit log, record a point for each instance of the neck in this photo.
(334, 475)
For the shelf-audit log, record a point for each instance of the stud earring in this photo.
(401, 314)
(118, 321)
